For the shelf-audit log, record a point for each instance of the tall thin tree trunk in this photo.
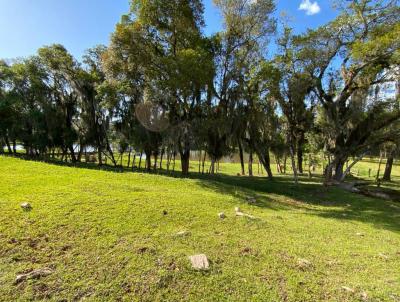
(140, 160)
(155, 161)
(292, 155)
(173, 164)
(168, 159)
(162, 156)
(241, 157)
(278, 164)
(379, 169)
(284, 164)
(294, 168)
(204, 161)
(99, 154)
(72, 151)
(129, 158)
(212, 166)
(14, 143)
(199, 155)
(8, 144)
(300, 145)
(250, 163)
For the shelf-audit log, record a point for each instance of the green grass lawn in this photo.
(106, 238)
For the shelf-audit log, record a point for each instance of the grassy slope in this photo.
(106, 237)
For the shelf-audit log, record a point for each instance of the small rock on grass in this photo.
(35, 274)
(222, 215)
(199, 262)
(304, 264)
(364, 296)
(26, 206)
(348, 289)
(383, 256)
(183, 234)
(251, 199)
(240, 213)
(360, 234)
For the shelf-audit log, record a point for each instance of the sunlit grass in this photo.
(106, 237)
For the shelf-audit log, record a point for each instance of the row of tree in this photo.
(163, 88)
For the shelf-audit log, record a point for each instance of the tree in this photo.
(60, 68)
(247, 28)
(345, 59)
(289, 85)
(173, 60)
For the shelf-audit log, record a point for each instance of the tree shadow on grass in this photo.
(311, 197)
(282, 194)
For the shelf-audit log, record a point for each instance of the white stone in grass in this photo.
(383, 256)
(199, 262)
(348, 289)
(183, 234)
(222, 215)
(364, 296)
(360, 234)
(304, 263)
(26, 206)
(35, 274)
(240, 213)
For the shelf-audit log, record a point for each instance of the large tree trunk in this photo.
(387, 176)
(100, 156)
(184, 152)
(72, 151)
(148, 160)
(336, 165)
(266, 162)
(339, 169)
(185, 158)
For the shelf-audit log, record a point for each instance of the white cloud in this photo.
(311, 8)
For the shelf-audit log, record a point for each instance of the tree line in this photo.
(164, 88)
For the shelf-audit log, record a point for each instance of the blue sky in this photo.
(26, 25)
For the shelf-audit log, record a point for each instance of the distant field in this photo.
(110, 236)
